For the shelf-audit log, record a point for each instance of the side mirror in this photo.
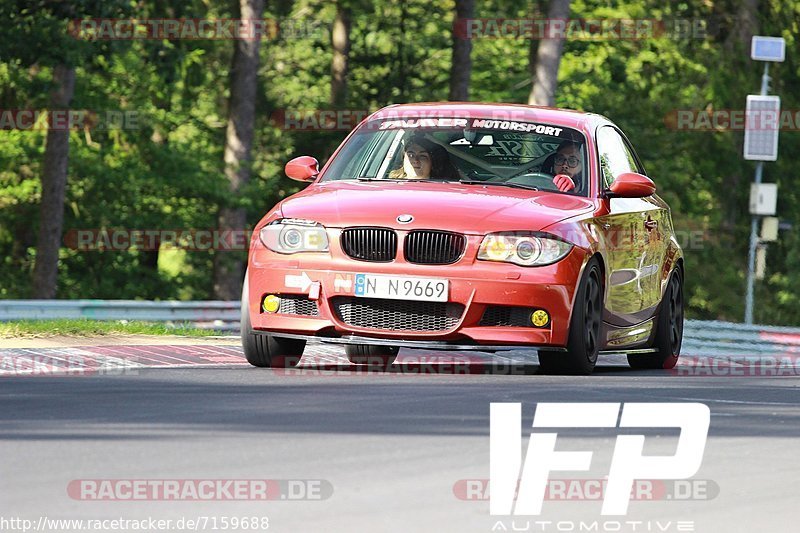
(303, 168)
(631, 185)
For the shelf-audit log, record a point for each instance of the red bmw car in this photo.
(469, 226)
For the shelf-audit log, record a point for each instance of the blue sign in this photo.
(360, 284)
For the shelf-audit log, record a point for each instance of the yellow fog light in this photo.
(271, 303)
(495, 248)
(540, 318)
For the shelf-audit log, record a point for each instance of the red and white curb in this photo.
(322, 358)
(88, 360)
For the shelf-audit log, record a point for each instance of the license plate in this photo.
(401, 288)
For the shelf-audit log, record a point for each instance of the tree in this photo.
(229, 268)
(340, 42)
(461, 66)
(548, 57)
(737, 48)
(54, 182)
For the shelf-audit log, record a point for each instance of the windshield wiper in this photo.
(501, 184)
(372, 178)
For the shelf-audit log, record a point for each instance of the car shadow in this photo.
(458, 368)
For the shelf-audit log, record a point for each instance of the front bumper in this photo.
(475, 285)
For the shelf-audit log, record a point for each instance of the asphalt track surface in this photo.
(376, 450)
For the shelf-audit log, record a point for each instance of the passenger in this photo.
(424, 159)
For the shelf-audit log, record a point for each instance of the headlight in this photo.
(524, 249)
(293, 235)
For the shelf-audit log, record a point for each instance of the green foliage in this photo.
(83, 327)
(166, 173)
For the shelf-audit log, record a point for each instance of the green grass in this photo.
(84, 327)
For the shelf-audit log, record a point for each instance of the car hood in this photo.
(472, 209)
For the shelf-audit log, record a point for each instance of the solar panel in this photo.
(767, 48)
(761, 127)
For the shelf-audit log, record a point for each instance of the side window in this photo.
(615, 156)
(631, 158)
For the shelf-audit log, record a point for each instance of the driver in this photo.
(567, 166)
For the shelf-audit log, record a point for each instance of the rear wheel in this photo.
(264, 350)
(368, 354)
(583, 342)
(669, 329)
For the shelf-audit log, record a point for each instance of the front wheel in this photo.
(669, 329)
(367, 354)
(265, 350)
(583, 342)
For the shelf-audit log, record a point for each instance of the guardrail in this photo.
(708, 338)
(713, 338)
(212, 314)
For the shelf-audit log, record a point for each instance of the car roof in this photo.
(519, 112)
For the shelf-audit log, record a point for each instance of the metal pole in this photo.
(765, 80)
(751, 256)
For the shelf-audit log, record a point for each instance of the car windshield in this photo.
(471, 151)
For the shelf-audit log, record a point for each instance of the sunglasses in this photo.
(572, 161)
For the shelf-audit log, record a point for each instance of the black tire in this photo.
(583, 341)
(265, 350)
(369, 354)
(669, 329)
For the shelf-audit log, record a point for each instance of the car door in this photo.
(630, 232)
(656, 222)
